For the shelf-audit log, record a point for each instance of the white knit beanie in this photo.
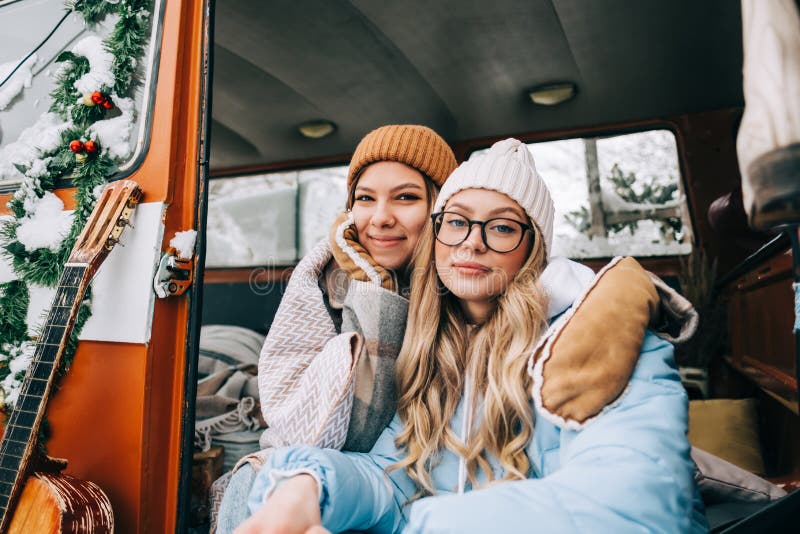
(508, 168)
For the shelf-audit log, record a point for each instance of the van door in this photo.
(121, 412)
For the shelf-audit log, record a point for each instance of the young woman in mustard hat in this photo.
(326, 370)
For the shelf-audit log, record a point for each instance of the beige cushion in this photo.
(727, 428)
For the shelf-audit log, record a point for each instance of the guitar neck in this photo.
(22, 430)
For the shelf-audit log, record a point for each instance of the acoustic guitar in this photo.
(47, 500)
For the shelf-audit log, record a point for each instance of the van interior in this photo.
(469, 74)
(297, 84)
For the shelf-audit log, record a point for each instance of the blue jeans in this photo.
(233, 508)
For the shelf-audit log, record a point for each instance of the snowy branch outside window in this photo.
(271, 219)
(639, 208)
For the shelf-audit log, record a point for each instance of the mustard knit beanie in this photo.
(416, 146)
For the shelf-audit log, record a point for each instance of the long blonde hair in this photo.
(440, 348)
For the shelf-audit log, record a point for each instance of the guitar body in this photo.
(59, 503)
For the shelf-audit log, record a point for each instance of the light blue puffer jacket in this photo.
(628, 470)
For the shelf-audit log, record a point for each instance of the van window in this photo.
(29, 128)
(639, 207)
(271, 219)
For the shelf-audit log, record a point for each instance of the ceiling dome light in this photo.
(552, 93)
(317, 129)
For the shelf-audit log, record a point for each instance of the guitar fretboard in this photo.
(25, 419)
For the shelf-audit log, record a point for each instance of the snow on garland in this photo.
(80, 137)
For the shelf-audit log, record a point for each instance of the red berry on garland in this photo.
(98, 97)
(90, 146)
(107, 104)
(76, 146)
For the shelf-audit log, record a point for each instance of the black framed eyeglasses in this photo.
(498, 234)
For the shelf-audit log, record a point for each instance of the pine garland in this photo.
(129, 39)
(78, 112)
(64, 94)
(13, 308)
(92, 10)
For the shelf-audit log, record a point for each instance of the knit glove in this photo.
(353, 258)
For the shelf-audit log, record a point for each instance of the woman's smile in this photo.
(386, 241)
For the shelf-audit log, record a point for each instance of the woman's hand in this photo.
(293, 508)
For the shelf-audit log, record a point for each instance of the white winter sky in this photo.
(253, 220)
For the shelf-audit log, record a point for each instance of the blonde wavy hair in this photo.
(438, 353)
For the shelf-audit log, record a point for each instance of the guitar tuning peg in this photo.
(133, 201)
(125, 222)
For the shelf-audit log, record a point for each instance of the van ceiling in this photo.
(462, 67)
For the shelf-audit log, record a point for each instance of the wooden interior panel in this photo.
(242, 304)
(761, 316)
(780, 440)
(255, 275)
(247, 297)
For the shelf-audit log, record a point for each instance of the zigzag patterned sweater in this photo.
(322, 387)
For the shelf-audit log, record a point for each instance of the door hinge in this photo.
(174, 275)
